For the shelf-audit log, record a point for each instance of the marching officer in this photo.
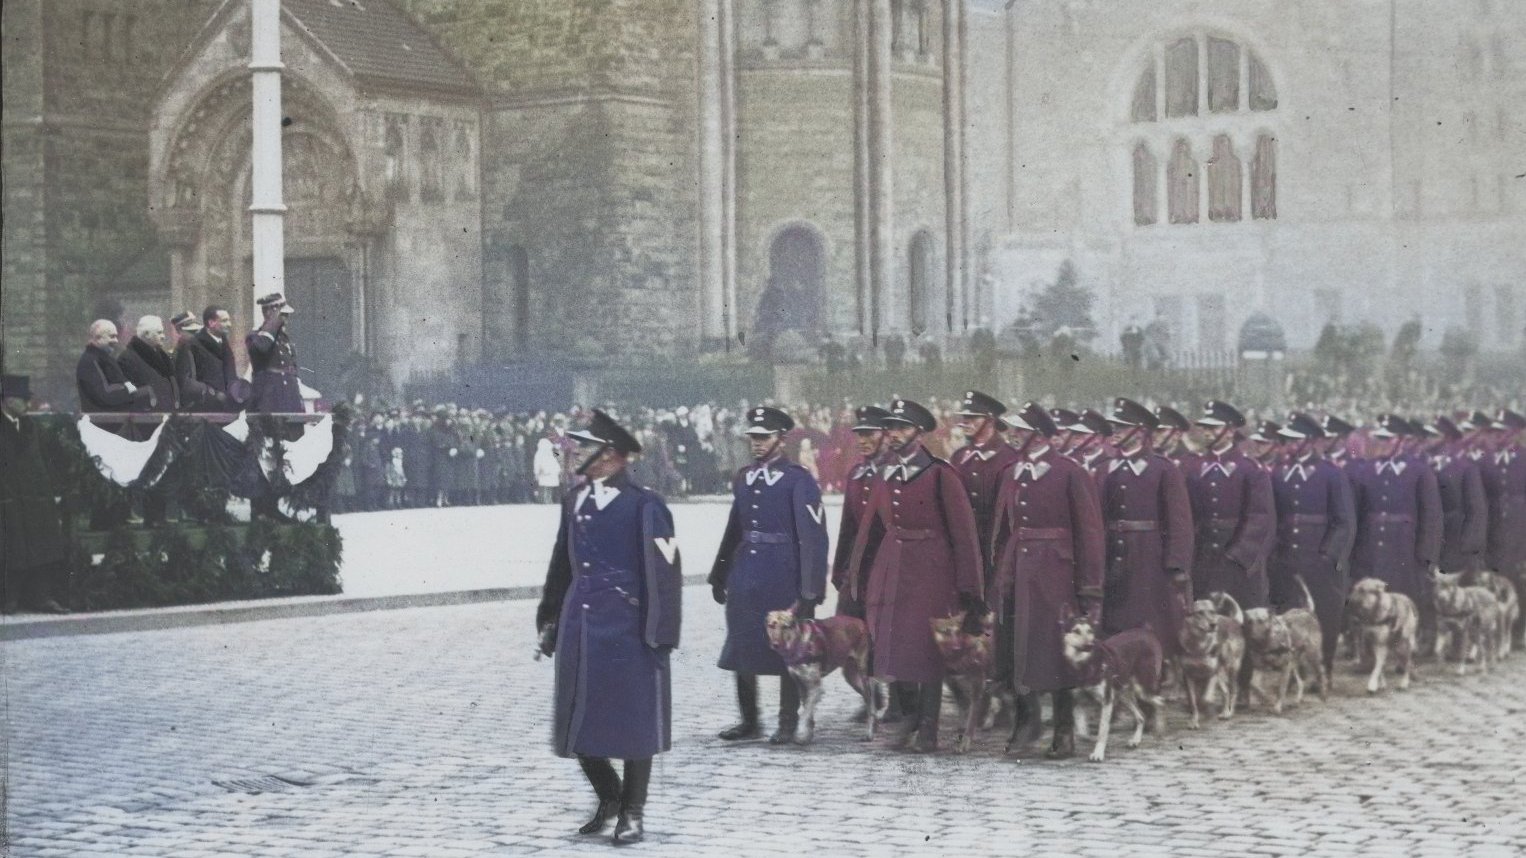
(869, 437)
(1174, 426)
(610, 613)
(1503, 467)
(1316, 524)
(918, 551)
(985, 457)
(1148, 516)
(273, 359)
(1337, 436)
(1464, 505)
(1398, 514)
(1265, 445)
(1048, 545)
(1234, 511)
(773, 557)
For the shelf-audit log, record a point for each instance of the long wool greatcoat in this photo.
(1048, 547)
(205, 369)
(29, 521)
(919, 545)
(1236, 521)
(615, 589)
(981, 469)
(273, 360)
(1398, 512)
(1149, 541)
(773, 554)
(857, 486)
(1504, 475)
(1316, 525)
(1464, 513)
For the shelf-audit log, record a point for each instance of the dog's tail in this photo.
(1227, 605)
(1308, 598)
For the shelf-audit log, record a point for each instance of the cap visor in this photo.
(586, 437)
(1211, 421)
(759, 430)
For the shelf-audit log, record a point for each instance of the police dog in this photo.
(1472, 614)
(1213, 648)
(1387, 622)
(1509, 605)
(967, 662)
(1287, 646)
(1127, 668)
(812, 649)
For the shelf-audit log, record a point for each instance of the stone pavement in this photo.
(423, 732)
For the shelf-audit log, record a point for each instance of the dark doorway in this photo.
(792, 300)
(920, 284)
(323, 329)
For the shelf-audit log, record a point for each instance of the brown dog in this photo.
(1127, 667)
(812, 649)
(967, 663)
(1509, 606)
(1213, 648)
(1289, 646)
(1387, 622)
(1472, 614)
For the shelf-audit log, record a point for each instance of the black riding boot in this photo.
(631, 827)
(747, 699)
(1063, 747)
(606, 785)
(789, 711)
(1028, 722)
(930, 706)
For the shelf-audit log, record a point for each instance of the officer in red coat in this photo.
(1048, 544)
(1148, 517)
(982, 461)
(869, 439)
(1233, 509)
(610, 612)
(1398, 511)
(918, 551)
(1464, 505)
(1316, 524)
(1170, 435)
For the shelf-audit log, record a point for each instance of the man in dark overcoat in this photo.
(32, 550)
(610, 612)
(1316, 525)
(869, 440)
(923, 558)
(1233, 509)
(1464, 504)
(145, 363)
(204, 365)
(103, 389)
(773, 557)
(273, 359)
(1048, 544)
(1148, 517)
(1398, 513)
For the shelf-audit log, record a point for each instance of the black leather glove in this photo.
(805, 610)
(548, 639)
(718, 592)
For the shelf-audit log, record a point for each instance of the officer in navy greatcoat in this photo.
(273, 360)
(1233, 509)
(1464, 504)
(1316, 525)
(773, 557)
(610, 612)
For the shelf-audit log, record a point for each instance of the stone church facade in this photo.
(487, 181)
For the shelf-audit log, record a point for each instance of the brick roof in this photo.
(380, 44)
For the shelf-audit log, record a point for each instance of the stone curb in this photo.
(159, 619)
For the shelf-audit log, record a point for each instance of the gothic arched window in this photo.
(393, 149)
(1199, 96)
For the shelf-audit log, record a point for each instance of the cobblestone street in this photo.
(424, 732)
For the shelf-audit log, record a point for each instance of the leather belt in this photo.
(757, 536)
(907, 534)
(1390, 517)
(1132, 526)
(1303, 518)
(1043, 533)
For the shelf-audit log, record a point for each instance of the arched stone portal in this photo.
(795, 294)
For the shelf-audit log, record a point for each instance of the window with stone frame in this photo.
(465, 163)
(1199, 129)
(431, 161)
(395, 157)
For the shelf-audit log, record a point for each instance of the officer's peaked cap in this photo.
(1335, 426)
(977, 404)
(907, 412)
(1444, 425)
(1300, 426)
(1130, 413)
(1170, 418)
(1034, 418)
(869, 417)
(1219, 413)
(763, 420)
(1391, 426)
(603, 430)
(1512, 419)
(1096, 423)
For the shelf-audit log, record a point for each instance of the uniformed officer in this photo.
(611, 612)
(1464, 504)
(1398, 513)
(1337, 435)
(1264, 446)
(1503, 467)
(273, 360)
(869, 438)
(1233, 509)
(1148, 517)
(1048, 544)
(983, 459)
(1174, 426)
(918, 551)
(1316, 525)
(773, 557)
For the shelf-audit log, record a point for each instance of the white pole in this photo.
(267, 211)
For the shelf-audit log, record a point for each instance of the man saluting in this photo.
(610, 612)
(773, 557)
